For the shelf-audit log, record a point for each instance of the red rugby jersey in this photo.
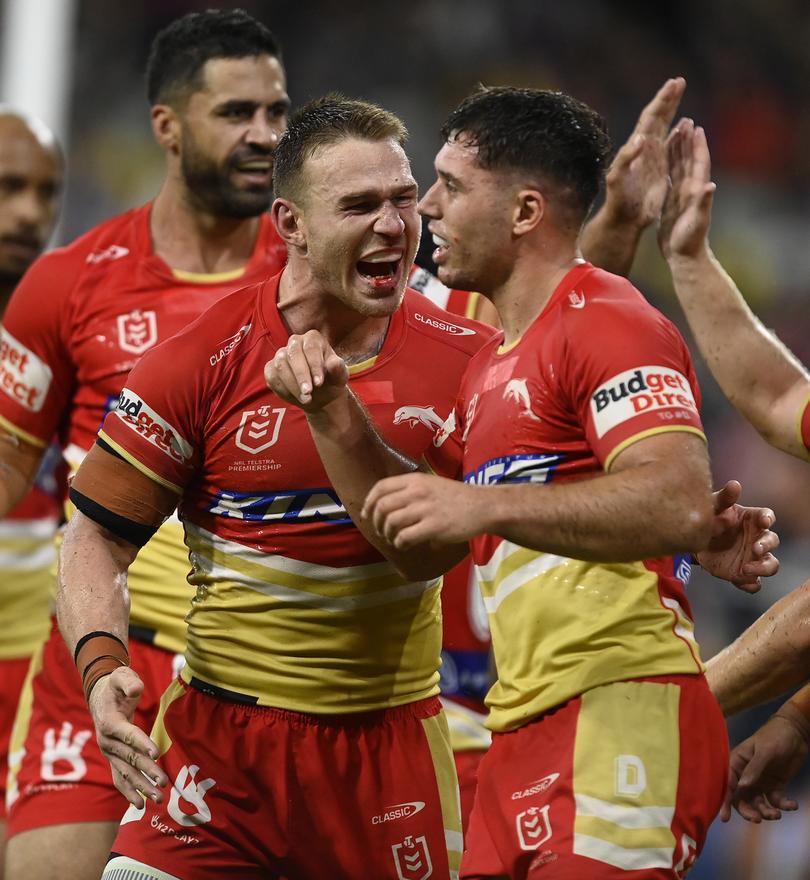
(76, 325)
(466, 669)
(293, 608)
(598, 369)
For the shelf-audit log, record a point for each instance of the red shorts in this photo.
(12, 676)
(622, 782)
(467, 770)
(264, 793)
(63, 777)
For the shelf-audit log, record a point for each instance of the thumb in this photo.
(727, 496)
(336, 368)
(628, 152)
(127, 682)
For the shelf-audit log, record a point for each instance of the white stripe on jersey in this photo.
(32, 530)
(537, 564)
(202, 543)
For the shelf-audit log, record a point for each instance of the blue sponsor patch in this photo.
(515, 469)
(287, 505)
(465, 674)
(682, 567)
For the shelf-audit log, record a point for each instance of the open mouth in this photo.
(441, 248)
(381, 271)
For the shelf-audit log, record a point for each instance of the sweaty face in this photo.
(358, 214)
(469, 209)
(229, 132)
(30, 181)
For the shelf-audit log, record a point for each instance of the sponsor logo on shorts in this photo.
(187, 794)
(138, 415)
(418, 415)
(533, 827)
(661, 390)
(398, 811)
(133, 814)
(228, 345)
(61, 759)
(24, 377)
(113, 252)
(412, 859)
(137, 331)
(438, 324)
(259, 428)
(536, 787)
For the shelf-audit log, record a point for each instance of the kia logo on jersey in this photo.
(137, 331)
(258, 430)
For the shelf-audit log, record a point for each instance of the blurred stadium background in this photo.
(79, 64)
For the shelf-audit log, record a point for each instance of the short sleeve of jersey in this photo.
(154, 424)
(36, 371)
(630, 376)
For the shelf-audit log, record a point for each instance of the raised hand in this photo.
(687, 210)
(637, 182)
(129, 750)
(740, 550)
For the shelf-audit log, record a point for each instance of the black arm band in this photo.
(100, 441)
(91, 635)
(134, 532)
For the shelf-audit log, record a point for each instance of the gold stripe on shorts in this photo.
(626, 768)
(444, 766)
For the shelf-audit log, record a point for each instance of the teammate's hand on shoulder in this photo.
(306, 372)
(687, 211)
(761, 767)
(129, 750)
(741, 547)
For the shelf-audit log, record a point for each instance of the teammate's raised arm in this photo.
(757, 372)
(768, 659)
(636, 184)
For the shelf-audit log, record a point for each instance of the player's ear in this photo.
(529, 210)
(166, 127)
(288, 222)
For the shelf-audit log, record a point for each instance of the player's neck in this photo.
(195, 241)
(529, 287)
(355, 337)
